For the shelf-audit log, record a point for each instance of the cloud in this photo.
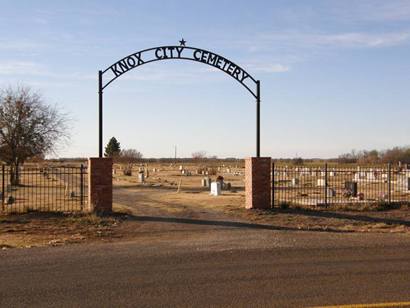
(355, 39)
(282, 50)
(371, 10)
(17, 70)
(21, 68)
(344, 39)
(267, 67)
(19, 45)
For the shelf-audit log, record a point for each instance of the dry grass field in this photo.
(167, 190)
(170, 201)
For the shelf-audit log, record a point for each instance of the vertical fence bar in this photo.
(389, 182)
(3, 174)
(326, 184)
(81, 186)
(273, 186)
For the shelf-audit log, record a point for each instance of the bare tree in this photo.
(200, 155)
(28, 127)
(130, 156)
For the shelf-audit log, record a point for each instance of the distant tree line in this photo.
(394, 155)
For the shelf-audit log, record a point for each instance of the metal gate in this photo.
(43, 188)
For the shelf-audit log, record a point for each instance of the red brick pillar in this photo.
(99, 185)
(258, 182)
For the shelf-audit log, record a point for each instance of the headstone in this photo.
(186, 172)
(384, 196)
(403, 183)
(295, 181)
(181, 167)
(351, 188)
(371, 176)
(321, 182)
(220, 179)
(331, 192)
(141, 177)
(215, 188)
(205, 182)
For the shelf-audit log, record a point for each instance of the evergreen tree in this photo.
(113, 148)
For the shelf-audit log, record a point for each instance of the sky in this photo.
(335, 75)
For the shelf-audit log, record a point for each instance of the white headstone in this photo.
(215, 188)
(403, 183)
(371, 176)
(295, 181)
(321, 182)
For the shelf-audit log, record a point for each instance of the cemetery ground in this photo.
(170, 204)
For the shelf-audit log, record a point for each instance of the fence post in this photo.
(389, 182)
(326, 184)
(273, 185)
(3, 174)
(81, 185)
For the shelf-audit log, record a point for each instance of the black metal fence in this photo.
(324, 185)
(46, 188)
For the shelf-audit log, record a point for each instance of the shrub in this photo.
(284, 205)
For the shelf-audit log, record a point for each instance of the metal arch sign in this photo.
(180, 52)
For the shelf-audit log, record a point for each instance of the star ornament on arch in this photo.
(182, 42)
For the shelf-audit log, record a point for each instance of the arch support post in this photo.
(258, 118)
(100, 115)
(258, 182)
(99, 185)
